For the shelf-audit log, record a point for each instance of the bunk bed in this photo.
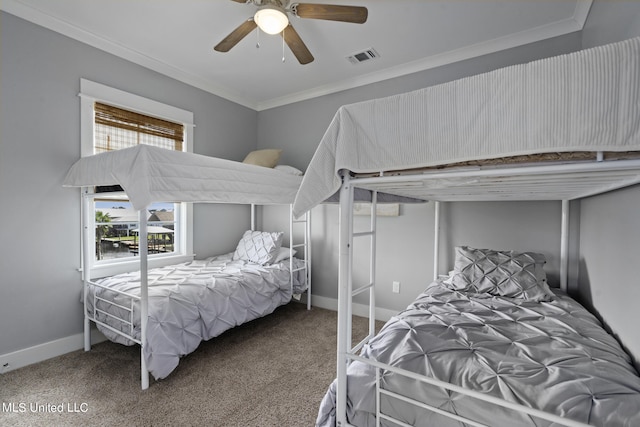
(560, 129)
(169, 310)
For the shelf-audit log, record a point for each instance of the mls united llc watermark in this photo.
(45, 408)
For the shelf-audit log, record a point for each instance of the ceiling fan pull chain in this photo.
(258, 39)
(282, 45)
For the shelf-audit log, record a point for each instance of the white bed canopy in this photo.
(583, 101)
(151, 174)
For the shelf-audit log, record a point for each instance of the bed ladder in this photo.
(305, 246)
(346, 290)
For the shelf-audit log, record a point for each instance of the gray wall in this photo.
(611, 21)
(40, 139)
(609, 281)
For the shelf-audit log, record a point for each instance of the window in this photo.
(111, 120)
(116, 228)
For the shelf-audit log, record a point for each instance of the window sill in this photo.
(109, 269)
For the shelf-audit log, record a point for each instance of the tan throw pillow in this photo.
(268, 157)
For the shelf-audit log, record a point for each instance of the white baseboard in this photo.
(362, 310)
(42, 352)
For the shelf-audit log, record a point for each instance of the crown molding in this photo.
(581, 12)
(559, 28)
(576, 23)
(39, 17)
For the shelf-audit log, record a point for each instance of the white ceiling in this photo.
(176, 38)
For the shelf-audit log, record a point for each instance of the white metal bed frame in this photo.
(142, 299)
(554, 181)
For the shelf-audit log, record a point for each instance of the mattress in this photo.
(583, 101)
(554, 356)
(192, 302)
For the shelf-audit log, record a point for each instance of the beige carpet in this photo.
(270, 372)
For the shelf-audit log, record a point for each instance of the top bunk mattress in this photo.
(151, 174)
(583, 101)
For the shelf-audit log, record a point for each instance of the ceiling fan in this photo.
(271, 17)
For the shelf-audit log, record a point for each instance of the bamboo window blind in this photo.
(116, 129)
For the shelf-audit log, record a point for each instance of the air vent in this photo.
(363, 56)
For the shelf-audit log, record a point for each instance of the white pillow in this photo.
(289, 169)
(259, 247)
(283, 254)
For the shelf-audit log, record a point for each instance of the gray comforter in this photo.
(194, 301)
(553, 356)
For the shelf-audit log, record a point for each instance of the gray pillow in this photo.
(501, 273)
(260, 247)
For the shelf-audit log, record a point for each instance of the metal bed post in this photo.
(372, 266)
(564, 247)
(86, 264)
(291, 273)
(344, 296)
(436, 240)
(253, 217)
(144, 295)
(306, 245)
(307, 255)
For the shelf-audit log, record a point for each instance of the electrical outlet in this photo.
(396, 287)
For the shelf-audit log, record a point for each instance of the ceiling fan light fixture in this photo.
(271, 19)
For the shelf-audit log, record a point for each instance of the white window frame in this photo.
(90, 92)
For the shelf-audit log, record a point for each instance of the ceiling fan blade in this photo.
(240, 1)
(236, 35)
(330, 12)
(297, 46)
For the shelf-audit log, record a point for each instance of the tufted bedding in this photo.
(552, 355)
(194, 301)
